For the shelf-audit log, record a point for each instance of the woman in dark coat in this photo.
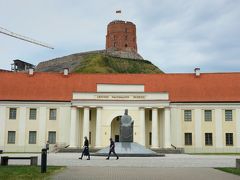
(85, 151)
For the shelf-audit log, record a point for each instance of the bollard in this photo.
(44, 161)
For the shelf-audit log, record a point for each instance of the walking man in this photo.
(85, 151)
(112, 149)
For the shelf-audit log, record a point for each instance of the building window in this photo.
(114, 44)
(126, 30)
(126, 37)
(150, 138)
(229, 139)
(150, 115)
(12, 113)
(126, 45)
(52, 114)
(52, 137)
(11, 137)
(208, 139)
(228, 115)
(32, 137)
(208, 115)
(33, 114)
(188, 138)
(187, 115)
(90, 138)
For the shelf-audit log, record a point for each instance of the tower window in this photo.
(126, 30)
(114, 44)
(126, 45)
(126, 37)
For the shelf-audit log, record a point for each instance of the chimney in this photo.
(65, 71)
(197, 72)
(30, 71)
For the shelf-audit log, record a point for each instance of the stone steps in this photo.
(76, 150)
(169, 150)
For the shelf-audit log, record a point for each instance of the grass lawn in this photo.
(27, 172)
(230, 170)
(230, 154)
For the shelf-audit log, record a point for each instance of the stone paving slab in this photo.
(133, 173)
(170, 160)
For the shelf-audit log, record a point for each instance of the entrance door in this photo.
(115, 128)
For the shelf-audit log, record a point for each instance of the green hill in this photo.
(99, 63)
(95, 62)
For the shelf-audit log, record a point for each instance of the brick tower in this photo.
(121, 36)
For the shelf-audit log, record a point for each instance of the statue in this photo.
(126, 128)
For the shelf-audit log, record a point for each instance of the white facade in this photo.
(157, 122)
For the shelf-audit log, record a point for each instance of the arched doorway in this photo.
(115, 128)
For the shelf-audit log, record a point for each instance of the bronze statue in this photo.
(126, 128)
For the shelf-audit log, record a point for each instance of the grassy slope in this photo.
(99, 63)
(224, 154)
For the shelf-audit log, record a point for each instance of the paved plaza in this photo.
(172, 166)
(137, 173)
(170, 160)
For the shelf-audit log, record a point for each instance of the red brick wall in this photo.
(121, 35)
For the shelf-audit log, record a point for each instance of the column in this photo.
(167, 128)
(2, 125)
(86, 122)
(198, 128)
(142, 126)
(219, 132)
(64, 113)
(98, 127)
(155, 143)
(238, 127)
(22, 126)
(73, 127)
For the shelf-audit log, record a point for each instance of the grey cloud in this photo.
(176, 35)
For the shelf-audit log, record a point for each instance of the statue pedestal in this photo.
(129, 149)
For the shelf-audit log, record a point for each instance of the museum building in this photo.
(199, 112)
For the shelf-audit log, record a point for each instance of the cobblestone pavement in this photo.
(171, 160)
(136, 173)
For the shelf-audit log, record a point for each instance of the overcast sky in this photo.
(175, 35)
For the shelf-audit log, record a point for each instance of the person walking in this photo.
(85, 151)
(112, 149)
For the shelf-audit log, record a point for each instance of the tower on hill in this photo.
(121, 36)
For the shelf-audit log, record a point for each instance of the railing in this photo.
(173, 146)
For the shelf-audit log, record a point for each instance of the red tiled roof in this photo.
(42, 86)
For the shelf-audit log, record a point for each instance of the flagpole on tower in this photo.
(118, 14)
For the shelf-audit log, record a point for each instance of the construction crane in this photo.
(24, 38)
